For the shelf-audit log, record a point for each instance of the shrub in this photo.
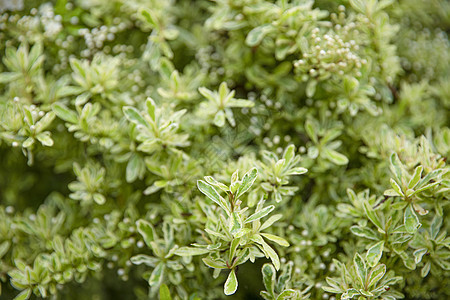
(197, 149)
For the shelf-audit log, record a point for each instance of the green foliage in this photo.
(204, 149)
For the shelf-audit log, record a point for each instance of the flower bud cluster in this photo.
(11, 5)
(329, 53)
(96, 37)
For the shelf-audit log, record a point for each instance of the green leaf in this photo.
(45, 121)
(396, 187)
(418, 254)
(332, 290)
(157, 275)
(391, 193)
(132, 171)
(99, 198)
(34, 56)
(28, 142)
(230, 117)
(311, 88)
(374, 254)
(149, 17)
(270, 221)
(274, 238)
(212, 194)
(231, 284)
(82, 99)
(9, 76)
(212, 181)
(396, 166)
(376, 274)
(349, 294)
(433, 175)
(25, 294)
(235, 223)
(269, 277)
(415, 178)
(411, 220)
(364, 232)
(147, 231)
(334, 286)
(358, 5)
(151, 108)
(435, 226)
(425, 270)
(64, 113)
(313, 152)
(208, 94)
(4, 247)
(219, 118)
(247, 181)
(164, 292)
(371, 214)
(233, 247)
(260, 214)
(256, 35)
(235, 177)
(311, 129)
(45, 139)
(360, 267)
(365, 293)
(144, 259)
(133, 115)
(289, 152)
(271, 253)
(287, 294)
(224, 92)
(297, 171)
(335, 157)
(214, 263)
(427, 187)
(190, 251)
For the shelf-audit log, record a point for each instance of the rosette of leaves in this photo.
(157, 18)
(276, 173)
(323, 143)
(432, 249)
(281, 288)
(97, 78)
(234, 234)
(378, 211)
(413, 189)
(90, 184)
(220, 103)
(175, 172)
(366, 278)
(25, 125)
(24, 66)
(157, 129)
(181, 87)
(354, 95)
(89, 123)
(166, 265)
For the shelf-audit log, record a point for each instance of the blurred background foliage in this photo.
(110, 111)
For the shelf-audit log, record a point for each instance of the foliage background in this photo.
(93, 174)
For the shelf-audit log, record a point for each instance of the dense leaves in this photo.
(204, 149)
